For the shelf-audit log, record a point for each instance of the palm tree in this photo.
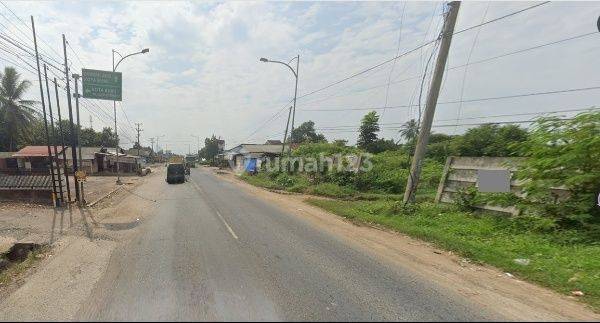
(409, 130)
(17, 114)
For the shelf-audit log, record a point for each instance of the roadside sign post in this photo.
(102, 85)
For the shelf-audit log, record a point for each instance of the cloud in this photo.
(202, 75)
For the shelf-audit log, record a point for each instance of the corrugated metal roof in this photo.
(86, 153)
(35, 151)
(39, 182)
(257, 148)
(7, 154)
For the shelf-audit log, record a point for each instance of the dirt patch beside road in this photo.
(485, 285)
(82, 241)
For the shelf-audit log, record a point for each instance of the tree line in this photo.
(484, 140)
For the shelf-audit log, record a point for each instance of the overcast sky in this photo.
(203, 75)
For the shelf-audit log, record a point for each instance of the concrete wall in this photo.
(461, 172)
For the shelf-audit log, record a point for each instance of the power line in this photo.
(502, 17)
(523, 50)
(443, 125)
(463, 101)
(540, 113)
(417, 48)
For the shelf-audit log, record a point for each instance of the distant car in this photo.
(175, 173)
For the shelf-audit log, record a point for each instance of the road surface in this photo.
(215, 252)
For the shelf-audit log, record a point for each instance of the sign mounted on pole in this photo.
(103, 85)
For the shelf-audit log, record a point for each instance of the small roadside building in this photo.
(8, 163)
(34, 159)
(89, 159)
(143, 152)
(250, 157)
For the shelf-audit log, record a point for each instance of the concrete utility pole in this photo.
(432, 97)
(91, 123)
(48, 142)
(73, 135)
(137, 125)
(76, 95)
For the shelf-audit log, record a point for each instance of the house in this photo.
(34, 159)
(250, 157)
(90, 159)
(145, 152)
(8, 163)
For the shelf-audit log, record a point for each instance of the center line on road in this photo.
(200, 190)
(227, 225)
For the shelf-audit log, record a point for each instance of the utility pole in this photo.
(37, 59)
(54, 139)
(91, 123)
(62, 141)
(76, 95)
(138, 135)
(73, 137)
(286, 131)
(432, 97)
(295, 95)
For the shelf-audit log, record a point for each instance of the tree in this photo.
(210, 149)
(490, 140)
(306, 133)
(107, 138)
(368, 131)
(17, 113)
(381, 145)
(409, 131)
(563, 153)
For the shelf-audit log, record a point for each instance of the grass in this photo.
(16, 269)
(562, 260)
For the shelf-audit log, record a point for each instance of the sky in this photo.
(203, 76)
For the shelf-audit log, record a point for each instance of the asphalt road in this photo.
(214, 252)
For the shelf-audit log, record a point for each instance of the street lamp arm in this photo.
(286, 64)
(122, 58)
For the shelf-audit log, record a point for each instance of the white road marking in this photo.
(217, 212)
(227, 225)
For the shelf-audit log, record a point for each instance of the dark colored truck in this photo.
(176, 173)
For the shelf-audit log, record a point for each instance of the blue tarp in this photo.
(250, 166)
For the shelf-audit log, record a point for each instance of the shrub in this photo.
(563, 153)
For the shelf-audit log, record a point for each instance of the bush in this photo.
(563, 153)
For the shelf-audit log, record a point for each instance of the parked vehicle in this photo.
(175, 173)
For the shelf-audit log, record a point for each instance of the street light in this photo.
(114, 68)
(295, 72)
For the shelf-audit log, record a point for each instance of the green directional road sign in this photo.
(103, 85)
